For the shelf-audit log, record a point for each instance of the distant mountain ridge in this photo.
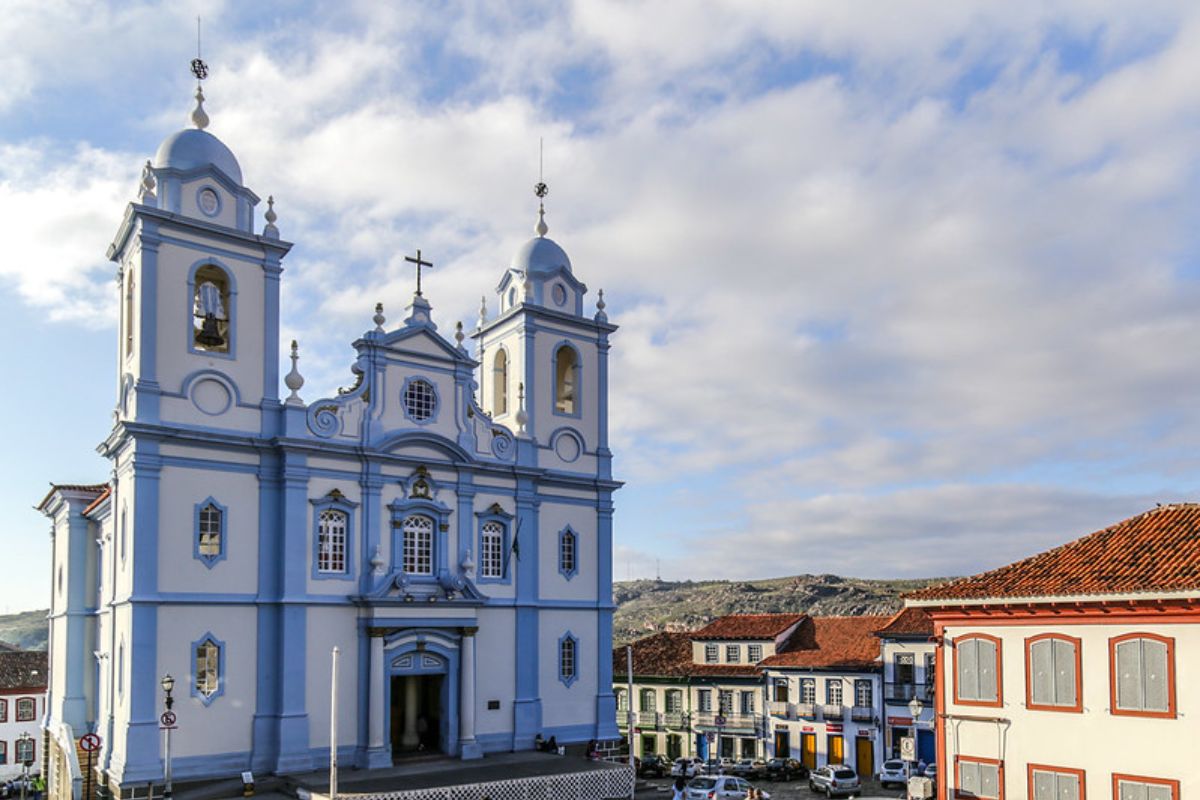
(27, 630)
(647, 606)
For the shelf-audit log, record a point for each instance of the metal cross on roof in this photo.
(199, 68)
(419, 263)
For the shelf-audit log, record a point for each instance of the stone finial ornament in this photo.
(377, 562)
(600, 306)
(522, 417)
(482, 310)
(294, 380)
(459, 335)
(269, 230)
(149, 184)
(199, 116)
(379, 318)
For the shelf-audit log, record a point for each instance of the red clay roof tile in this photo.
(909, 622)
(748, 626)
(829, 642)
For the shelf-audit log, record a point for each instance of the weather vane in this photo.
(199, 68)
(540, 188)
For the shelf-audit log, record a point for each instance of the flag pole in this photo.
(333, 740)
(629, 710)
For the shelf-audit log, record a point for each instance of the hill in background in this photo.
(27, 630)
(646, 606)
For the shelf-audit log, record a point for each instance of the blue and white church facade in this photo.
(445, 522)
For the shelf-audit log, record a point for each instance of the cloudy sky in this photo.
(905, 289)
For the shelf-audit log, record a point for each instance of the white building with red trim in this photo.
(1075, 673)
(23, 676)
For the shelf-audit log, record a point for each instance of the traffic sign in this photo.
(720, 720)
(89, 742)
(908, 748)
(167, 718)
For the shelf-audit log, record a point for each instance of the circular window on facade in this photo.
(420, 401)
(210, 204)
(559, 294)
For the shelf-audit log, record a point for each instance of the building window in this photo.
(331, 541)
(674, 701)
(977, 670)
(978, 777)
(754, 653)
(1142, 673)
(1136, 787)
(26, 709)
(647, 702)
(704, 701)
(862, 694)
(491, 550)
(500, 383)
(930, 668)
(712, 654)
(3, 711)
(726, 701)
(1052, 663)
(781, 690)
(567, 550)
(566, 379)
(210, 532)
(904, 668)
(747, 702)
(833, 692)
(567, 659)
(808, 691)
(622, 700)
(211, 310)
(208, 660)
(418, 545)
(3, 752)
(26, 751)
(420, 399)
(1055, 783)
(733, 653)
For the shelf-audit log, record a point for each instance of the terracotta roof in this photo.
(748, 626)
(96, 503)
(95, 488)
(24, 669)
(669, 655)
(910, 622)
(1156, 551)
(828, 642)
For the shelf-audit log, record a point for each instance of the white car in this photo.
(687, 767)
(721, 787)
(834, 779)
(893, 771)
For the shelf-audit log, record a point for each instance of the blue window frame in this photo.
(210, 527)
(568, 552)
(494, 549)
(568, 659)
(419, 527)
(333, 537)
(208, 668)
(420, 400)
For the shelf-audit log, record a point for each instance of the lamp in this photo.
(168, 683)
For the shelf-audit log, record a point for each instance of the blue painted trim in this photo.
(220, 201)
(207, 700)
(334, 503)
(416, 622)
(498, 515)
(437, 399)
(146, 346)
(572, 570)
(230, 309)
(554, 351)
(567, 680)
(209, 561)
(185, 388)
(418, 644)
(572, 434)
(403, 508)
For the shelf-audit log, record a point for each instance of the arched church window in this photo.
(210, 310)
(129, 312)
(208, 668)
(331, 541)
(418, 545)
(491, 550)
(500, 383)
(566, 379)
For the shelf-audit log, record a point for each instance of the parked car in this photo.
(834, 779)
(748, 768)
(894, 771)
(654, 764)
(687, 767)
(931, 772)
(716, 766)
(785, 769)
(721, 787)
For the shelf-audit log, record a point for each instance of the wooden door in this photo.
(864, 757)
(836, 750)
(783, 744)
(808, 750)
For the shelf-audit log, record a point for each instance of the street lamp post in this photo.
(168, 683)
(23, 742)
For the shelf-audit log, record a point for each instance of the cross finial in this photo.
(199, 68)
(419, 263)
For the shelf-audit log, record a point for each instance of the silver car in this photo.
(834, 779)
(720, 787)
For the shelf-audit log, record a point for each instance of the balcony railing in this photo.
(738, 721)
(623, 718)
(649, 720)
(833, 712)
(862, 713)
(903, 692)
(675, 719)
(806, 710)
(780, 708)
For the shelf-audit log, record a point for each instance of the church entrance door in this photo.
(416, 719)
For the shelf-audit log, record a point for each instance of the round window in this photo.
(420, 401)
(209, 202)
(560, 295)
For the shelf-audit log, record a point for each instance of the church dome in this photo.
(192, 148)
(540, 256)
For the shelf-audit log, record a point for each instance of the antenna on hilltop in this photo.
(657, 571)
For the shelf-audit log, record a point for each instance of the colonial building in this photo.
(908, 656)
(1075, 673)
(23, 676)
(445, 521)
(824, 693)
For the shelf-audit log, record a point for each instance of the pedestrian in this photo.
(679, 790)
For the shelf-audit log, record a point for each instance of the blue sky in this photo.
(904, 289)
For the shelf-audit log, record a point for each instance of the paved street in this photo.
(791, 790)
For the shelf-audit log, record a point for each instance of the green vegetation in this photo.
(27, 630)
